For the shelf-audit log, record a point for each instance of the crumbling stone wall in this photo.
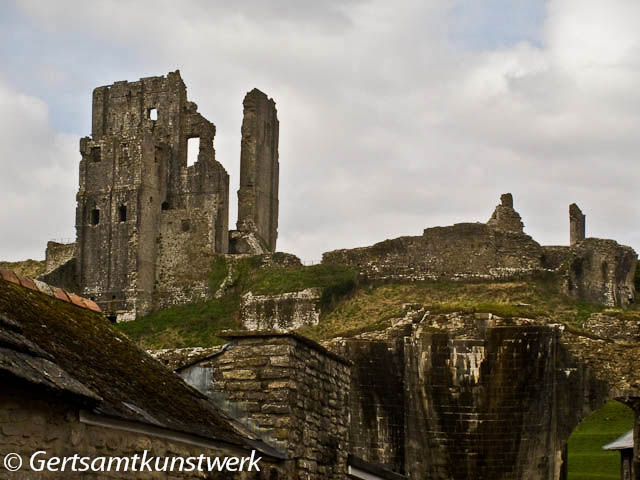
(30, 422)
(461, 251)
(293, 388)
(141, 208)
(601, 271)
(259, 172)
(505, 217)
(593, 270)
(282, 313)
(58, 254)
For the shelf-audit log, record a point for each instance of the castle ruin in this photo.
(148, 223)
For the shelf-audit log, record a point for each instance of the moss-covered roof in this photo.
(55, 345)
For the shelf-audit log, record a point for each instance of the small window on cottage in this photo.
(193, 149)
(96, 154)
(153, 114)
(165, 205)
(122, 212)
(95, 216)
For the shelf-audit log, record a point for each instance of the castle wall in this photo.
(58, 254)
(461, 251)
(601, 271)
(592, 270)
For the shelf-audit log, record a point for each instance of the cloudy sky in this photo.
(394, 116)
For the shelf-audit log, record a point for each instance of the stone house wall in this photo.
(32, 420)
(292, 389)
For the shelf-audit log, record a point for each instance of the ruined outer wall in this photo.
(30, 422)
(294, 388)
(461, 251)
(281, 313)
(259, 169)
(58, 254)
(601, 271)
(133, 169)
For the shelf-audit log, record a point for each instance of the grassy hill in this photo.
(587, 460)
(27, 268)
(349, 307)
(197, 324)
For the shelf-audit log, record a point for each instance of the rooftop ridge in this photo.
(42, 287)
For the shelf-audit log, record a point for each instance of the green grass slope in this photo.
(587, 460)
(198, 324)
(349, 308)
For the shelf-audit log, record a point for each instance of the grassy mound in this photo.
(587, 460)
(197, 324)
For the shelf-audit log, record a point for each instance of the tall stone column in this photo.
(576, 224)
(259, 170)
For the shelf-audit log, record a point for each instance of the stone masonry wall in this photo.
(58, 254)
(470, 396)
(296, 390)
(601, 271)
(31, 421)
(461, 251)
(282, 313)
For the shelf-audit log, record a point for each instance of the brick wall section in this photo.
(297, 390)
(31, 421)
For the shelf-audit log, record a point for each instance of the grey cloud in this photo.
(387, 124)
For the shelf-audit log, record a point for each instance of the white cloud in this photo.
(387, 124)
(37, 182)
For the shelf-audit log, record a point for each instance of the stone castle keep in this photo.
(147, 223)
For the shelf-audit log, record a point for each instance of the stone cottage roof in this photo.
(77, 354)
(622, 443)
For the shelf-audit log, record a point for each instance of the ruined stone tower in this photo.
(146, 221)
(576, 224)
(259, 172)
